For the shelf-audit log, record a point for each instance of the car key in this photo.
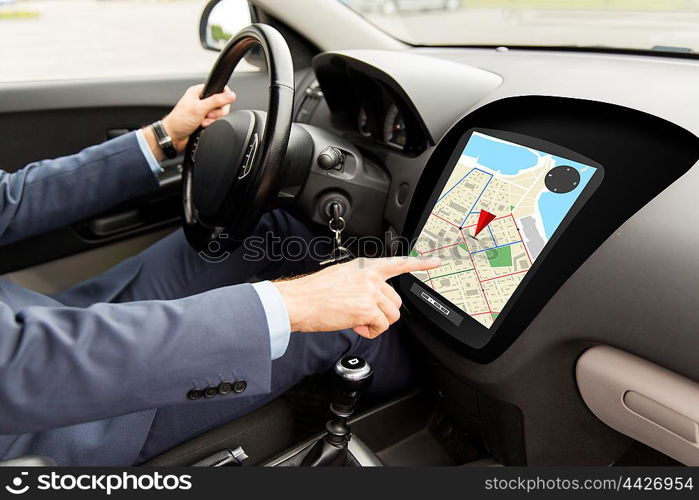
(337, 225)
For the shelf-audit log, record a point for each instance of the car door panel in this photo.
(45, 120)
(48, 120)
(61, 274)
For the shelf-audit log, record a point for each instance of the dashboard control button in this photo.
(331, 158)
(562, 179)
(452, 316)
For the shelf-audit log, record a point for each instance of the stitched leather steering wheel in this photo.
(231, 168)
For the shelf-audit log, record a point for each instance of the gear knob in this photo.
(353, 375)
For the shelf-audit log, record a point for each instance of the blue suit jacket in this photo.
(77, 381)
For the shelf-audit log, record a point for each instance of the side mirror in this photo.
(221, 20)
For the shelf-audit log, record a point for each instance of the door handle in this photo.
(117, 223)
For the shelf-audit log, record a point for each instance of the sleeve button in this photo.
(240, 386)
(210, 392)
(225, 388)
(194, 394)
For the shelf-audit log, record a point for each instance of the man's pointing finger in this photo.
(395, 266)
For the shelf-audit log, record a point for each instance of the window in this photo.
(660, 25)
(88, 39)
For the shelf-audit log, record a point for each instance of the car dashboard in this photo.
(607, 273)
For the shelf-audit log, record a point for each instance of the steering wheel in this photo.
(232, 167)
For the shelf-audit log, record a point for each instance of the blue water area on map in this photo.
(509, 159)
(554, 207)
(503, 157)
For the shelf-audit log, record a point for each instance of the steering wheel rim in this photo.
(251, 193)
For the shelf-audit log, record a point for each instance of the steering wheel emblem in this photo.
(249, 159)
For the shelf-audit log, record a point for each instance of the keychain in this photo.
(337, 225)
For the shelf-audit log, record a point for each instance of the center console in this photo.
(337, 446)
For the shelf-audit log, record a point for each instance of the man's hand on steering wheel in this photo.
(190, 113)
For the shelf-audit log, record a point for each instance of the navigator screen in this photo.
(500, 207)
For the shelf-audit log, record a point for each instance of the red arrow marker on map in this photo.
(483, 221)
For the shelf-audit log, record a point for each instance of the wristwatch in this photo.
(164, 140)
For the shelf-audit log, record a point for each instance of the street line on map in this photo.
(479, 196)
(443, 219)
(506, 275)
(492, 235)
(451, 274)
(495, 248)
(430, 280)
(531, 262)
(441, 248)
(454, 186)
(476, 271)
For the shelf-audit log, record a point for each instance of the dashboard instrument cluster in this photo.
(369, 108)
(393, 128)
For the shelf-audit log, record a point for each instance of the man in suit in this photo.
(166, 345)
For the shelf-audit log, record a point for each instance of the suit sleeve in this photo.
(61, 366)
(52, 193)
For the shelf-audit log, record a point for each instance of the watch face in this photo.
(168, 147)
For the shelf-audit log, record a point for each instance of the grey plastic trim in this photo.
(59, 275)
(642, 400)
(85, 94)
(364, 456)
(655, 85)
(137, 92)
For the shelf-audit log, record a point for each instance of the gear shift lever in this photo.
(353, 375)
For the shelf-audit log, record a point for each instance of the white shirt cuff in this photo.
(277, 317)
(150, 158)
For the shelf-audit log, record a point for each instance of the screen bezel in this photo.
(469, 331)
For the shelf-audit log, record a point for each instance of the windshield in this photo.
(663, 25)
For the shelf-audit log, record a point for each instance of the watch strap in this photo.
(164, 140)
